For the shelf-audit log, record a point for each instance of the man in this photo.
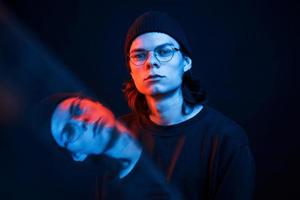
(83, 127)
(188, 150)
(200, 151)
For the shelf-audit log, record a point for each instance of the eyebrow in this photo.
(141, 49)
(75, 106)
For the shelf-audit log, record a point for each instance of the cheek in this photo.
(138, 78)
(83, 142)
(56, 130)
(176, 76)
(174, 72)
(136, 75)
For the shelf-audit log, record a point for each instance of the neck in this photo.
(166, 109)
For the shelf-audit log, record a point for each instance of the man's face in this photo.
(155, 77)
(82, 126)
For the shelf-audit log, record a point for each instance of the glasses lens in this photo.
(70, 133)
(138, 58)
(164, 53)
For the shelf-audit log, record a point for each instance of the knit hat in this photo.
(155, 21)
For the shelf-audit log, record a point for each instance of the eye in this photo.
(138, 56)
(165, 51)
(68, 132)
(75, 109)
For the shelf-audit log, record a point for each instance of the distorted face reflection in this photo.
(82, 126)
(157, 64)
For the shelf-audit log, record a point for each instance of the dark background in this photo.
(244, 53)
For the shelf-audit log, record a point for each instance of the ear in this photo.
(79, 156)
(187, 63)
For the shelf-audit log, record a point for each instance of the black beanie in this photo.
(156, 21)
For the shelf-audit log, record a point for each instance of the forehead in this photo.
(82, 102)
(66, 104)
(152, 40)
(62, 111)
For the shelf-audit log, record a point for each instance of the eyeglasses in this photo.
(162, 53)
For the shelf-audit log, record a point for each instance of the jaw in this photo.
(79, 157)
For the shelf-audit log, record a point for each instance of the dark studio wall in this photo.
(244, 53)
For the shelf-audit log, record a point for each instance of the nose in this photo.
(152, 60)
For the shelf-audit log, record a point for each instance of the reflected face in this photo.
(82, 126)
(154, 77)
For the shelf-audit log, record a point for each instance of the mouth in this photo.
(155, 77)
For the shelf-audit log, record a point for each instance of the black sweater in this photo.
(205, 157)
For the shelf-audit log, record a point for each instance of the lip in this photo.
(153, 78)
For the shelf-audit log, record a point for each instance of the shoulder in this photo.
(225, 128)
(228, 139)
(132, 121)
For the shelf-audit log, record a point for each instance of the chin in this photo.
(152, 92)
(79, 157)
(162, 91)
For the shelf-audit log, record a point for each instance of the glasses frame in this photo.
(175, 49)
